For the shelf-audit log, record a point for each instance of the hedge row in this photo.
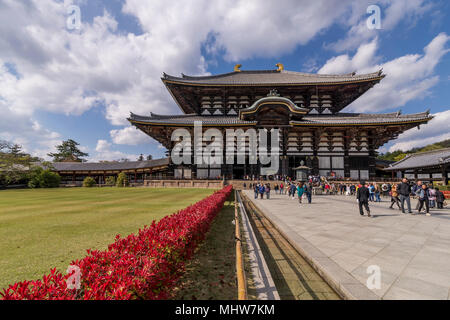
(145, 265)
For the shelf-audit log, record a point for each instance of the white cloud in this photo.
(408, 77)
(102, 146)
(436, 130)
(105, 153)
(130, 136)
(363, 59)
(392, 13)
(70, 72)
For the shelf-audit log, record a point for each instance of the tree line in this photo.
(400, 154)
(20, 168)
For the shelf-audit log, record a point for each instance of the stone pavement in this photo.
(412, 251)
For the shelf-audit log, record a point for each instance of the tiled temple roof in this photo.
(109, 166)
(189, 119)
(272, 77)
(422, 159)
(364, 118)
(336, 119)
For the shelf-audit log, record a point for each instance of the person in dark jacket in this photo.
(423, 195)
(308, 191)
(440, 198)
(404, 191)
(363, 199)
(256, 190)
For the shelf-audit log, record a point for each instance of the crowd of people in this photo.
(428, 196)
(299, 190)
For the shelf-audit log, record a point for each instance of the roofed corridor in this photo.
(412, 251)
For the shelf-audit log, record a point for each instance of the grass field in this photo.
(42, 229)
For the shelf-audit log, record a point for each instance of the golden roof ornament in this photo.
(237, 68)
(273, 93)
(280, 66)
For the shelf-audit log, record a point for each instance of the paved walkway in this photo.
(412, 251)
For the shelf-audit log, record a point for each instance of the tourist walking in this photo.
(394, 198)
(432, 196)
(371, 192)
(256, 190)
(267, 191)
(352, 189)
(261, 190)
(300, 191)
(377, 193)
(404, 191)
(292, 189)
(276, 188)
(414, 189)
(423, 199)
(362, 195)
(308, 191)
(281, 188)
(440, 198)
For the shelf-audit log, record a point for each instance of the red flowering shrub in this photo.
(145, 265)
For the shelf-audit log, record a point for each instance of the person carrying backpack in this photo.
(394, 197)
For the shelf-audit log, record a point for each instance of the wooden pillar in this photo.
(135, 176)
(444, 174)
(347, 140)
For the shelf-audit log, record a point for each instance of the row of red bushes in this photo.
(145, 265)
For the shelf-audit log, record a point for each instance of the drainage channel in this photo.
(294, 278)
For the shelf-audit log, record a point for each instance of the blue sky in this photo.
(57, 83)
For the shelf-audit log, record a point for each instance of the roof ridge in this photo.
(305, 74)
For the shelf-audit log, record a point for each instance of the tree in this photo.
(14, 164)
(68, 151)
(110, 180)
(89, 182)
(16, 151)
(122, 180)
(149, 157)
(141, 157)
(43, 178)
(400, 156)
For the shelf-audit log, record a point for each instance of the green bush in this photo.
(89, 182)
(40, 178)
(110, 181)
(122, 180)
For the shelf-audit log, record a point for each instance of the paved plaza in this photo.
(412, 251)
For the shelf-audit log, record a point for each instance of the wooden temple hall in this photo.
(307, 108)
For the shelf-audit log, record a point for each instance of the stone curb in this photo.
(340, 280)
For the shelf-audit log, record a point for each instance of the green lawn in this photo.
(42, 229)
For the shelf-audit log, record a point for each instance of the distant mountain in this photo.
(400, 154)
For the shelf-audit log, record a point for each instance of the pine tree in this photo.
(68, 151)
